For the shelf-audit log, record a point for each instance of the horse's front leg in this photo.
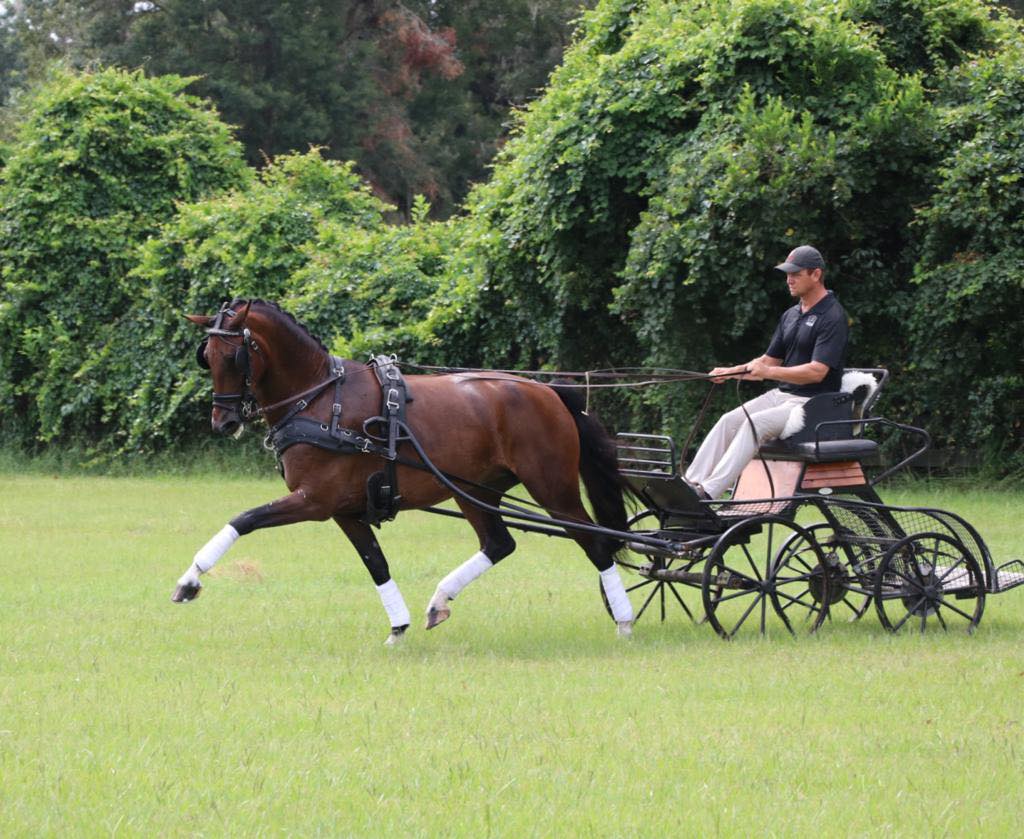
(288, 510)
(365, 543)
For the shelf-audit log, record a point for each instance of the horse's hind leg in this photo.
(562, 500)
(366, 545)
(495, 544)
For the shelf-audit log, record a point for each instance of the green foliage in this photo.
(249, 241)
(416, 92)
(680, 150)
(97, 166)
(966, 327)
(683, 148)
(407, 289)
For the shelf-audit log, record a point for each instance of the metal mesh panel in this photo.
(755, 507)
(882, 526)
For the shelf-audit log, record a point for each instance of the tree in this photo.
(966, 328)
(376, 81)
(97, 166)
(682, 148)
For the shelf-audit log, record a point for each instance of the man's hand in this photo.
(720, 375)
(758, 371)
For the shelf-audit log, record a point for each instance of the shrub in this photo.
(966, 325)
(99, 163)
(683, 148)
(249, 241)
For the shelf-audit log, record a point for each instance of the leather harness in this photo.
(382, 498)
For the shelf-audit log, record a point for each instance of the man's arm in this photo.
(800, 374)
(743, 371)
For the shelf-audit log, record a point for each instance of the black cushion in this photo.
(828, 451)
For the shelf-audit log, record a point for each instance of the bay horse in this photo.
(492, 431)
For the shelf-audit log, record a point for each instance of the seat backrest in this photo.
(861, 387)
(824, 407)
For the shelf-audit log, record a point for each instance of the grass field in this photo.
(269, 706)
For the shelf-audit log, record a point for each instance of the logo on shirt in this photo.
(810, 321)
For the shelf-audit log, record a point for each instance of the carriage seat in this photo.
(835, 443)
(827, 451)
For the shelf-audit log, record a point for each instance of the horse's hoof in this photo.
(185, 593)
(436, 615)
(624, 629)
(396, 636)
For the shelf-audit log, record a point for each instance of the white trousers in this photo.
(730, 445)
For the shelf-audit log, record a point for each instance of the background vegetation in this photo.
(678, 150)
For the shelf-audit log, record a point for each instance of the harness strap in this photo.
(382, 497)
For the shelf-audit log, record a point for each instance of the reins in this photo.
(651, 375)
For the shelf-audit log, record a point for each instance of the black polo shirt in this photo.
(819, 334)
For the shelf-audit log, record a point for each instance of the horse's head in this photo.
(232, 355)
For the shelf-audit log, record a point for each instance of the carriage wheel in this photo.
(808, 580)
(929, 580)
(740, 581)
(850, 587)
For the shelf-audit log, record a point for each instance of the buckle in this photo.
(392, 402)
(336, 409)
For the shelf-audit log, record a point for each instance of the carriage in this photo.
(805, 537)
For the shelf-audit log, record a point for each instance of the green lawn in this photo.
(270, 706)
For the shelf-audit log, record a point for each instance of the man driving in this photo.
(806, 356)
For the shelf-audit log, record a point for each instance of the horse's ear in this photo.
(201, 320)
(244, 314)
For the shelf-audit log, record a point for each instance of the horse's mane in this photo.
(290, 318)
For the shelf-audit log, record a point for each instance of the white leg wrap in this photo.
(394, 604)
(462, 576)
(206, 557)
(611, 582)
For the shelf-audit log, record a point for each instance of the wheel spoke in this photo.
(918, 585)
(953, 568)
(804, 577)
(953, 608)
(647, 602)
(686, 608)
(640, 585)
(851, 607)
(741, 593)
(908, 615)
(798, 601)
(938, 614)
(746, 614)
(733, 572)
(753, 564)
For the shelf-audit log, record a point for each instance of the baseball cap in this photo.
(800, 258)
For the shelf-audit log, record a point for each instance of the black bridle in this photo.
(243, 402)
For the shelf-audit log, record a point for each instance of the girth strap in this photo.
(382, 498)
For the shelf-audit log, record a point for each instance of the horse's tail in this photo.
(606, 488)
